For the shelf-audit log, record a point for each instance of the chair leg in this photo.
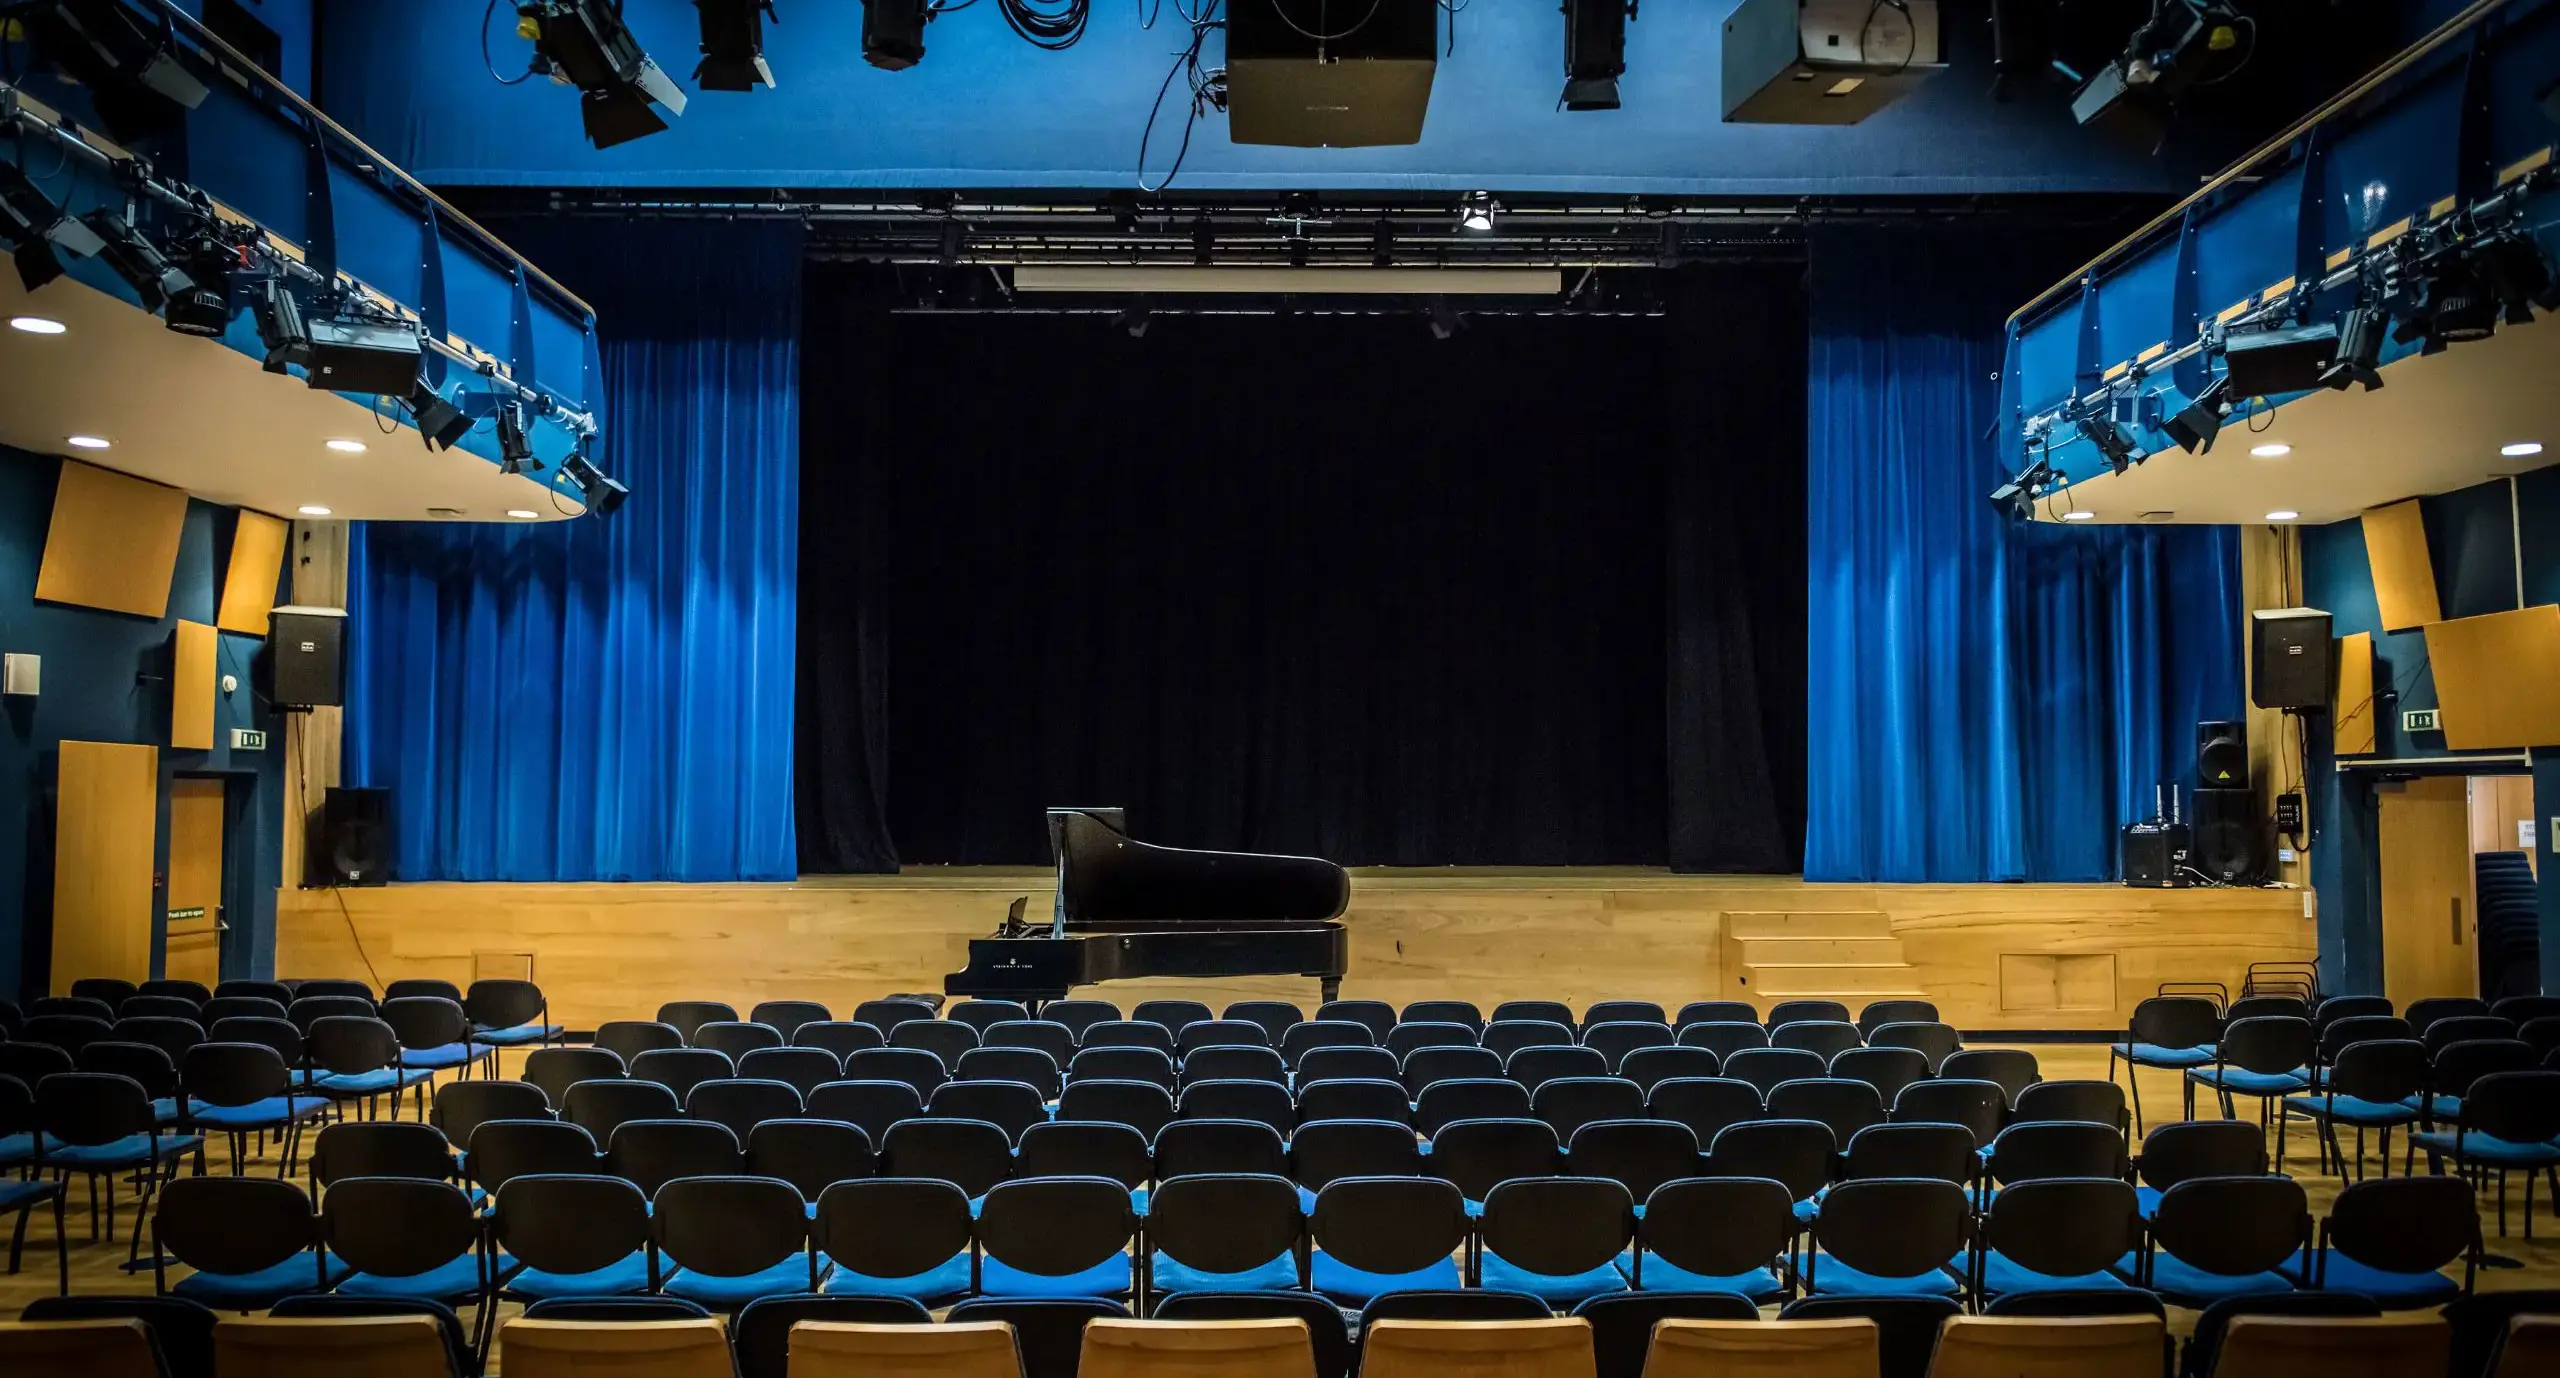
(2502, 1203)
(2281, 1119)
(62, 1239)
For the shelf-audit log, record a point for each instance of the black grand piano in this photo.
(1127, 908)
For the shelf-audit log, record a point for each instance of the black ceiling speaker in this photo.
(2222, 756)
(2266, 363)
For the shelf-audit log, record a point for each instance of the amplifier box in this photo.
(2152, 853)
(1311, 75)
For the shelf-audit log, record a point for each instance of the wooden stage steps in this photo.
(1849, 955)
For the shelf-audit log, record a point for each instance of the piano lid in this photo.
(1107, 877)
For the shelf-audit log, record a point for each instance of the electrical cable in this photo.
(1204, 94)
(1054, 25)
(355, 937)
(490, 62)
(1281, 8)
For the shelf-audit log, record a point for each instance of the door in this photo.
(2427, 919)
(195, 880)
(102, 843)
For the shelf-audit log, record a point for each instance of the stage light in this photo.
(347, 447)
(86, 442)
(2112, 440)
(37, 325)
(33, 226)
(1595, 52)
(893, 32)
(515, 446)
(2517, 274)
(313, 511)
(2284, 514)
(586, 44)
(2359, 356)
(2448, 304)
(2196, 425)
(1475, 211)
(137, 260)
(204, 306)
(2184, 43)
(602, 494)
(2522, 449)
(441, 424)
(733, 45)
(377, 358)
(2017, 498)
(1445, 321)
(2275, 451)
(135, 78)
(279, 316)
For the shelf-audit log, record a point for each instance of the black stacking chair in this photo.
(1187, 1148)
(1477, 1155)
(1225, 1232)
(1716, 1012)
(1889, 1236)
(1795, 1152)
(1846, 1106)
(970, 1154)
(2388, 1241)
(2057, 1234)
(277, 991)
(629, 1038)
(194, 992)
(1639, 1155)
(1011, 1106)
(802, 1069)
(1377, 1016)
(2520, 1010)
(1946, 1152)
(1933, 1041)
(2337, 1007)
(1236, 1062)
(1126, 1033)
(406, 988)
(1443, 1012)
(2451, 1072)
(107, 990)
(1328, 1331)
(98, 1125)
(1715, 1234)
(1705, 1104)
(1051, 1236)
(322, 985)
(682, 1069)
(1048, 1331)
(1622, 1323)
(2176, 1033)
(145, 1063)
(463, 1106)
(2091, 1102)
(2217, 1237)
(1906, 1326)
(1086, 1148)
(1545, 1011)
(1787, 1012)
(1533, 1067)
(1824, 1039)
(68, 1032)
(2464, 1028)
(406, 1239)
(1508, 1036)
(1568, 1103)
(946, 1039)
(2040, 1149)
(1349, 1063)
(1767, 1068)
(840, 1037)
(789, 1015)
(685, 1016)
(582, 1236)
(734, 1039)
(741, 1104)
(1404, 1039)
(1302, 1039)
(601, 1107)
(1445, 1102)
(887, 1015)
(1374, 1235)
(252, 1242)
(499, 1151)
(72, 1006)
(2267, 1057)
(31, 1063)
(1080, 1015)
(1424, 1066)
(1619, 1038)
(897, 1237)
(506, 1012)
(1879, 1013)
(811, 1155)
(555, 1070)
(1239, 1100)
(733, 1240)
(1141, 1105)
(238, 1089)
(1324, 1151)
(762, 1330)
(280, 1036)
(1123, 1064)
(1354, 1100)
(1213, 1033)
(2510, 1121)
(1029, 1066)
(2369, 1084)
(1039, 1035)
(158, 1007)
(983, 1015)
(1275, 1016)
(1555, 1238)
(381, 1148)
(1174, 1015)
(914, 1066)
(651, 1153)
(1888, 1070)
(2266, 1007)
(2185, 1150)
(309, 1009)
(1623, 1012)
(866, 1105)
(1477, 1304)
(1648, 1067)
(2542, 1035)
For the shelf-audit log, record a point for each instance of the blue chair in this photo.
(2267, 1057)
(252, 1242)
(100, 1125)
(570, 1236)
(1056, 1237)
(2366, 1085)
(1889, 1236)
(2214, 1238)
(2188, 1149)
(1556, 1238)
(1374, 1235)
(2388, 1240)
(2058, 1234)
(357, 1058)
(734, 1240)
(408, 1239)
(2510, 1121)
(2170, 1032)
(17, 1146)
(1714, 1234)
(897, 1237)
(1087, 1148)
(1225, 1232)
(434, 1033)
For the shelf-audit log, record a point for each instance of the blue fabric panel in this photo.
(16, 1149)
(2247, 245)
(519, 1035)
(1562, 1290)
(479, 296)
(1169, 1277)
(2134, 304)
(1760, 1284)
(247, 159)
(443, 1055)
(2002, 1274)
(377, 234)
(457, 1278)
(2048, 354)
(15, 1194)
(931, 1287)
(1355, 1287)
(1833, 1278)
(259, 1290)
(787, 1278)
(1109, 1278)
(2344, 1274)
(612, 1280)
(369, 1083)
(2182, 1284)
(2395, 163)
(261, 1114)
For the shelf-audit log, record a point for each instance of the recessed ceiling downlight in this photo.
(522, 515)
(2521, 449)
(313, 511)
(2283, 514)
(347, 447)
(37, 325)
(2079, 516)
(86, 442)
(2272, 451)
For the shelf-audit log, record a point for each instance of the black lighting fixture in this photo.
(2018, 497)
(2197, 423)
(278, 313)
(361, 354)
(2114, 442)
(1445, 320)
(205, 307)
(586, 44)
(135, 78)
(2268, 361)
(124, 248)
(2516, 272)
(1475, 211)
(733, 45)
(1135, 320)
(2359, 353)
(2185, 43)
(441, 424)
(893, 32)
(596, 488)
(515, 442)
(1595, 52)
(2448, 304)
(37, 231)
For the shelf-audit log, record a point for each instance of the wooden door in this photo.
(194, 950)
(2428, 926)
(104, 827)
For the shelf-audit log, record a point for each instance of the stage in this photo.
(1993, 957)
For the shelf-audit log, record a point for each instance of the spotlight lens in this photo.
(2271, 451)
(2079, 516)
(87, 442)
(2521, 449)
(521, 514)
(2283, 514)
(313, 511)
(347, 447)
(37, 325)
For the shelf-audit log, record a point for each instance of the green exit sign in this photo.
(248, 739)
(2420, 720)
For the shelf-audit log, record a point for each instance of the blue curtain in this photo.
(1987, 701)
(610, 699)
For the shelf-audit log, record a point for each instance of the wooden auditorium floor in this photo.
(96, 1267)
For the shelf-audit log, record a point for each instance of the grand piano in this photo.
(1127, 908)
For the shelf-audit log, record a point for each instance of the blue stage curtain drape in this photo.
(610, 699)
(1988, 700)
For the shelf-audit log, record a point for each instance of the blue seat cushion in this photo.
(1759, 1284)
(1556, 1289)
(459, 1277)
(16, 1149)
(1808, 1208)
(443, 1055)
(516, 1035)
(612, 1280)
(128, 1151)
(1279, 1275)
(1833, 1278)
(2248, 1083)
(2146, 1200)
(259, 1290)
(371, 1083)
(932, 1286)
(17, 1195)
(2437, 1107)
(1344, 1283)
(1307, 1202)
(257, 1114)
(2344, 1274)
(789, 1277)
(2488, 1148)
(2003, 1274)
(2184, 1284)
(2157, 1055)
(1109, 1278)
(2348, 1110)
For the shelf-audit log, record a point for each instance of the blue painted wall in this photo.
(986, 109)
(91, 659)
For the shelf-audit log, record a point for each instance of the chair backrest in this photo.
(1913, 1149)
(971, 1154)
(891, 1227)
(1174, 1015)
(1240, 1100)
(2339, 1033)
(651, 1153)
(1123, 1064)
(1981, 1106)
(1555, 1348)
(1080, 1015)
(1325, 1151)
(1888, 1070)
(1235, 1062)
(1843, 1348)
(1719, 1226)
(681, 1069)
(332, 985)
(1377, 1016)
(1405, 1037)
(1878, 1013)
(1424, 1067)
(1388, 1224)
(278, 1035)
(1443, 1103)
(1724, 1037)
(277, 991)
(2056, 1148)
(1211, 1033)
(1619, 1037)
(835, 1349)
(601, 1107)
(2462, 1028)
(1639, 1155)
(1465, 1012)
(2065, 1226)
(1569, 1103)
(306, 1009)
(75, 1004)
(1508, 1036)
(2176, 1021)
(235, 1224)
(143, 1062)
(1845, 1105)
(742, 1103)
(502, 1150)
(1546, 1011)
(235, 1074)
(2519, 1107)
(2091, 1102)
(1535, 1066)
(946, 1039)
(789, 1015)
(1935, 1042)
(1767, 1068)
(1056, 1226)
(160, 1007)
(628, 1349)
(1796, 1152)
(2050, 1347)
(2381, 1070)
(2266, 1007)
(2457, 1065)
(1558, 1226)
(86, 1109)
(570, 1223)
(1354, 1099)
(842, 1037)
(1705, 1104)
(68, 1032)
(397, 1226)
(986, 1014)
(685, 1016)
(1715, 1012)
(505, 1002)
(1012, 1106)
(2178, 1151)
(1224, 1222)
(728, 1226)
(1188, 1147)
(917, 1067)
(735, 1038)
(102, 1348)
(2013, 1070)
(1824, 1037)
(629, 1038)
(1084, 1148)
(2422, 1013)
(1275, 1016)
(2333, 1347)
(334, 1346)
(1649, 1067)
(871, 1105)
(2405, 1224)
(463, 1106)
(1894, 1226)
(380, 1148)
(1127, 1033)
(811, 1155)
(1029, 1066)
(1787, 1012)
(1301, 1039)
(2232, 1226)
(763, 1328)
(802, 1069)
(555, 1070)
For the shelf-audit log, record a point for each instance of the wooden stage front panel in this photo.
(1992, 956)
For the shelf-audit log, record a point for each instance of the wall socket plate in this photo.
(2419, 720)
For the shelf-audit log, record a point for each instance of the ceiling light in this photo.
(2275, 451)
(602, 493)
(520, 514)
(2521, 449)
(2079, 516)
(586, 44)
(2283, 514)
(733, 45)
(313, 511)
(130, 253)
(347, 447)
(515, 446)
(1475, 211)
(1595, 52)
(37, 325)
(33, 226)
(87, 442)
(893, 32)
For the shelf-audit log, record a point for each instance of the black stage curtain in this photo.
(1533, 595)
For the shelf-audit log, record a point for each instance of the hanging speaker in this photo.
(2227, 828)
(355, 837)
(2289, 658)
(2222, 756)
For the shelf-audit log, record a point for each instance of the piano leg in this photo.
(1331, 986)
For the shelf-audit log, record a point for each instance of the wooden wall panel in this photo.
(194, 650)
(2354, 711)
(2498, 678)
(113, 541)
(106, 828)
(249, 585)
(2404, 580)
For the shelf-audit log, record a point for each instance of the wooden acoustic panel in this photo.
(2353, 711)
(106, 830)
(2496, 678)
(249, 585)
(194, 649)
(2404, 580)
(113, 542)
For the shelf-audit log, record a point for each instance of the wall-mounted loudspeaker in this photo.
(307, 657)
(2226, 835)
(355, 837)
(2289, 658)
(2222, 756)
